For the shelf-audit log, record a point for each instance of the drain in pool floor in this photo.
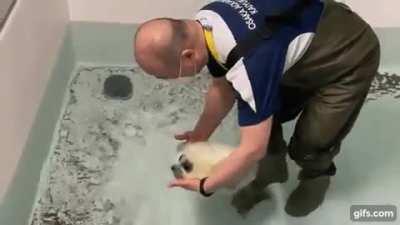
(118, 87)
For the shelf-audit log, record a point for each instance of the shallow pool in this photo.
(110, 154)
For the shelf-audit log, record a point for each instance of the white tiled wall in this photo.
(29, 43)
(382, 13)
(130, 11)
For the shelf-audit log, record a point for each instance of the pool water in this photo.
(110, 157)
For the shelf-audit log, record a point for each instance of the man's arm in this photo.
(253, 147)
(219, 101)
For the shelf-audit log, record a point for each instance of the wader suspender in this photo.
(261, 33)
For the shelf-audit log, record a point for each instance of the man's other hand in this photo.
(190, 136)
(188, 184)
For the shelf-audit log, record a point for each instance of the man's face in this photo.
(160, 49)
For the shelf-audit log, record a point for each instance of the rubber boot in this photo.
(310, 193)
(272, 169)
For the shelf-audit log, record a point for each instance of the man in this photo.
(307, 58)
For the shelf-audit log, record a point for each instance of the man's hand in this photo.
(191, 136)
(219, 101)
(188, 184)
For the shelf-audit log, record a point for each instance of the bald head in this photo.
(158, 45)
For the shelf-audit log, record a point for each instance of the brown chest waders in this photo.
(328, 87)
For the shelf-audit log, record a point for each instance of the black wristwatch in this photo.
(201, 188)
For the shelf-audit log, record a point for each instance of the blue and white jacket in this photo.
(256, 76)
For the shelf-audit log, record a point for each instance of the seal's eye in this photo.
(187, 166)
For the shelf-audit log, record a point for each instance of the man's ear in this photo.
(188, 54)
